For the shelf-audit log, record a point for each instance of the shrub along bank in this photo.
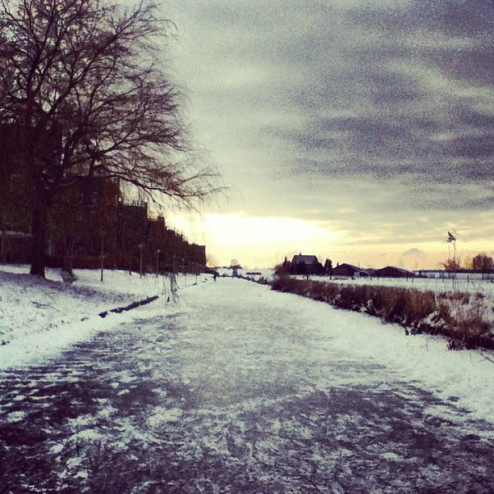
(465, 318)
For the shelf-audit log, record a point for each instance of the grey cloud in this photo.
(470, 18)
(396, 119)
(454, 36)
(463, 18)
(475, 147)
(382, 107)
(474, 119)
(474, 65)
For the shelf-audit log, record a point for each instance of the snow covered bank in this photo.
(39, 317)
(467, 319)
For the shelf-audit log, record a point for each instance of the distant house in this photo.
(305, 264)
(349, 270)
(393, 272)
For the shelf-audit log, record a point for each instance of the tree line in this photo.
(84, 93)
(480, 262)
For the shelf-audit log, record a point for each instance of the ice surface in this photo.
(65, 314)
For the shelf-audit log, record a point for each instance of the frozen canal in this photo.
(240, 391)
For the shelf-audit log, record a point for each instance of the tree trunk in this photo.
(3, 246)
(67, 265)
(3, 242)
(38, 252)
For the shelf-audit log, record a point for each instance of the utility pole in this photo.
(140, 246)
(102, 255)
(157, 261)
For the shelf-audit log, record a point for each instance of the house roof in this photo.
(345, 269)
(304, 259)
(395, 270)
(350, 267)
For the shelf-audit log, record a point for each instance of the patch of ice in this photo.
(16, 417)
(107, 412)
(88, 435)
(74, 462)
(163, 415)
(390, 456)
(57, 448)
(81, 421)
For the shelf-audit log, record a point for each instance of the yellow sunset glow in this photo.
(254, 241)
(265, 241)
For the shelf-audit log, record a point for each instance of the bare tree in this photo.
(82, 81)
(483, 263)
(452, 264)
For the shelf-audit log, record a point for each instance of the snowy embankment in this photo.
(38, 319)
(466, 319)
(460, 309)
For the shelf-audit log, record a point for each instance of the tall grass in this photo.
(462, 317)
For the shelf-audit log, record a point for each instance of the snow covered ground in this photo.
(40, 318)
(435, 285)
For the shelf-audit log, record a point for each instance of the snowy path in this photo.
(242, 391)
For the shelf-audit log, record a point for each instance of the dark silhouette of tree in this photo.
(451, 265)
(82, 82)
(483, 263)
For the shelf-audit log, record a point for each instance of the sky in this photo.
(360, 131)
